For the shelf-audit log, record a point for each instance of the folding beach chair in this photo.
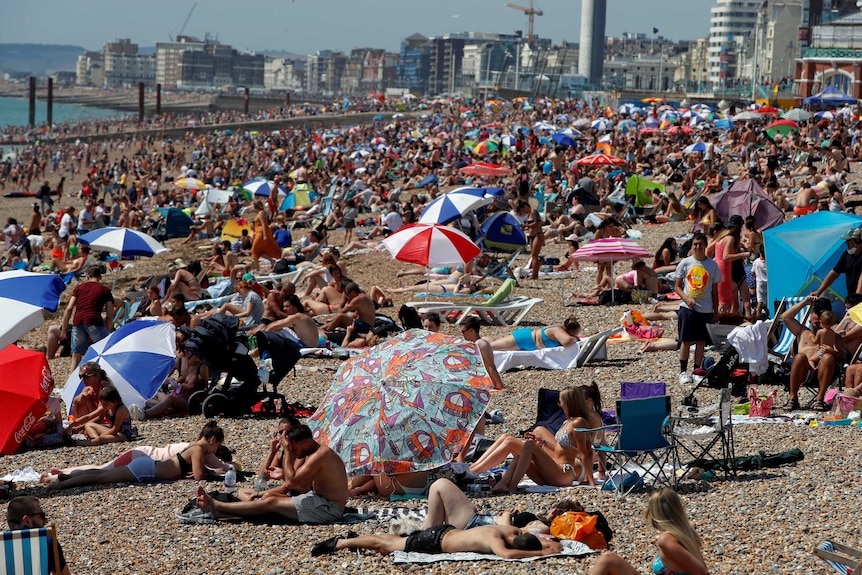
(128, 310)
(499, 309)
(845, 560)
(637, 446)
(592, 345)
(780, 338)
(26, 552)
(706, 433)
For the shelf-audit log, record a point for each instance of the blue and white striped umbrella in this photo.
(123, 241)
(453, 205)
(262, 187)
(601, 125)
(23, 296)
(138, 357)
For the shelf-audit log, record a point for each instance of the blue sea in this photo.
(15, 112)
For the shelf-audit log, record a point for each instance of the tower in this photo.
(592, 44)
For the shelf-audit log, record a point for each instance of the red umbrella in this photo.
(777, 123)
(24, 389)
(610, 250)
(684, 129)
(431, 245)
(485, 169)
(768, 110)
(600, 160)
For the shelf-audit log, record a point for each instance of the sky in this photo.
(306, 26)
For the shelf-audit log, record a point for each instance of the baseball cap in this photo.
(248, 277)
(853, 234)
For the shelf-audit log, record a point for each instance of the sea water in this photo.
(15, 112)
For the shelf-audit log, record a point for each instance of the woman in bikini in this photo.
(527, 339)
(189, 462)
(680, 549)
(118, 426)
(562, 461)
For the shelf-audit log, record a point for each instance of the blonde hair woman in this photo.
(679, 546)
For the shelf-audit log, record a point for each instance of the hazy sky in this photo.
(305, 26)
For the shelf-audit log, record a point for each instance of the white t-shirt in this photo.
(393, 221)
(67, 223)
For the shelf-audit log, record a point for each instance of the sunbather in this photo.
(118, 427)
(527, 339)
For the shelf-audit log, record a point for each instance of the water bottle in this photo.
(260, 485)
(230, 480)
(478, 487)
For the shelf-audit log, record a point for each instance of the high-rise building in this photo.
(731, 23)
(169, 57)
(414, 64)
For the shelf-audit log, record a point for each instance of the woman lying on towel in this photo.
(679, 546)
(190, 461)
(526, 339)
(567, 460)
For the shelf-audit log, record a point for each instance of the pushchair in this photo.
(218, 343)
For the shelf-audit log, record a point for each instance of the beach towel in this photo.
(547, 358)
(570, 549)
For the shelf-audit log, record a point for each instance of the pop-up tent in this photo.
(637, 187)
(801, 252)
(178, 224)
(746, 198)
(830, 97)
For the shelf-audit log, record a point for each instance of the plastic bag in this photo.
(578, 526)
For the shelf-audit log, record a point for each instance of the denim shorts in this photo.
(84, 335)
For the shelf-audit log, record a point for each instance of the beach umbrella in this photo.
(263, 188)
(600, 160)
(628, 109)
(563, 140)
(610, 250)
(627, 126)
(768, 111)
(360, 153)
(783, 127)
(138, 358)
(696, 148)
(486, 169)
(190, 184)
(652, 100)
(301, 196)
(826, 115)
(582, 123)
(431, 245)
(453, 205)
(544, 127)
(23, 296)
(24, 389)
(747, 115)
(502, 232)
(601, 125)
(797, 115)
(486, 147)
(652, 122)
(123, 241)
(669, 116)
(570, 131)
(408, 404)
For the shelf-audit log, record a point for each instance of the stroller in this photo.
(218, 344)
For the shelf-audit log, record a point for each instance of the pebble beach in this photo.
(765, 521)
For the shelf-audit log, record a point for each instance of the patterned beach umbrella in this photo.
(405, 405)
(263, 187)
(24, 389)
(190, 184)
(610, 250)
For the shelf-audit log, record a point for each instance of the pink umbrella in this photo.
(610, 250)
(600, 160)
(486, 169)
(431, 245)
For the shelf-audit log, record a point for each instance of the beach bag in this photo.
(760, 407)
(578, 526)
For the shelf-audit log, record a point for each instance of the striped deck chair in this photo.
(845, 560)
(779, 337)
(26, 552)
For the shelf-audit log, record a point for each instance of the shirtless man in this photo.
(504, 541)
(184, 282)
(321, 482)
(358, 309)
(810, 355)
(298, 321)
(278, 459)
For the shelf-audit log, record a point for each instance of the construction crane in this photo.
(183, 28)
(531, 14)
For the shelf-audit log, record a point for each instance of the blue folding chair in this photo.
(780, 338)
(637, 446)
(25, 552)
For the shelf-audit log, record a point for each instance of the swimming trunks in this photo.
(524, 339)
(143, 468)
(360, 327)
(312, 508)
(428, 541)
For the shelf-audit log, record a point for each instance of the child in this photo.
(350, 214)
(758, 270)
(827, 340)
(111, 405)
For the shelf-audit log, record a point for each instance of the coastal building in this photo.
(283, 74)
(90, 69)
(833, 57)
(414, 64)
(649, 72)
(169, 56)
(125, 67)
(693, 72)
(731, 23)
(189, 63)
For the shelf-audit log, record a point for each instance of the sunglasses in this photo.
(85, 375)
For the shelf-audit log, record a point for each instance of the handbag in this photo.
(760, 407)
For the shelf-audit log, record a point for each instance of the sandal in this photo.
(791, 405)
(820, 405)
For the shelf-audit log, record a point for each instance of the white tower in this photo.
(592, 43)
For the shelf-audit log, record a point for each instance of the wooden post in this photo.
(140, 102)
(32, 101)
(158, 99)
(245, 102)
(50, 117)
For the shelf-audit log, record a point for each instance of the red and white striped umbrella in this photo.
(600, 160)
(610, 250)
(431, 245)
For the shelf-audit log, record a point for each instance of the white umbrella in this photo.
(23, 296)
(123, 241)
(453, 205)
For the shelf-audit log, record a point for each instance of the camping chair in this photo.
(637, 446)
(845, 560)
(499, 309)
(128, 310)
(698, 433)
(592, 345)
(25, 552)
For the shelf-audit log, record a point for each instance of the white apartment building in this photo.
(731, 23)
(780, 40)
(281, 74)
(169, 57)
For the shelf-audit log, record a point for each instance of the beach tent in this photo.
(800, 253)
(830, 97)
(637, 187)
(178, 224)
(746, 198)
(211, 197)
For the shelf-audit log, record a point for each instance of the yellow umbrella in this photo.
(856, 313)
(190, 184)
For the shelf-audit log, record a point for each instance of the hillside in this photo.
(38, 59)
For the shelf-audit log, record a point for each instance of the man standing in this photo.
(321, 483)
(697, 278)
(88, 300)
(25, 512)
(849, 264)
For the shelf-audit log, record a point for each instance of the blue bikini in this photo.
(524, 339)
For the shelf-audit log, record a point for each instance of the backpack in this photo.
(409, 317)
(385, 326)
